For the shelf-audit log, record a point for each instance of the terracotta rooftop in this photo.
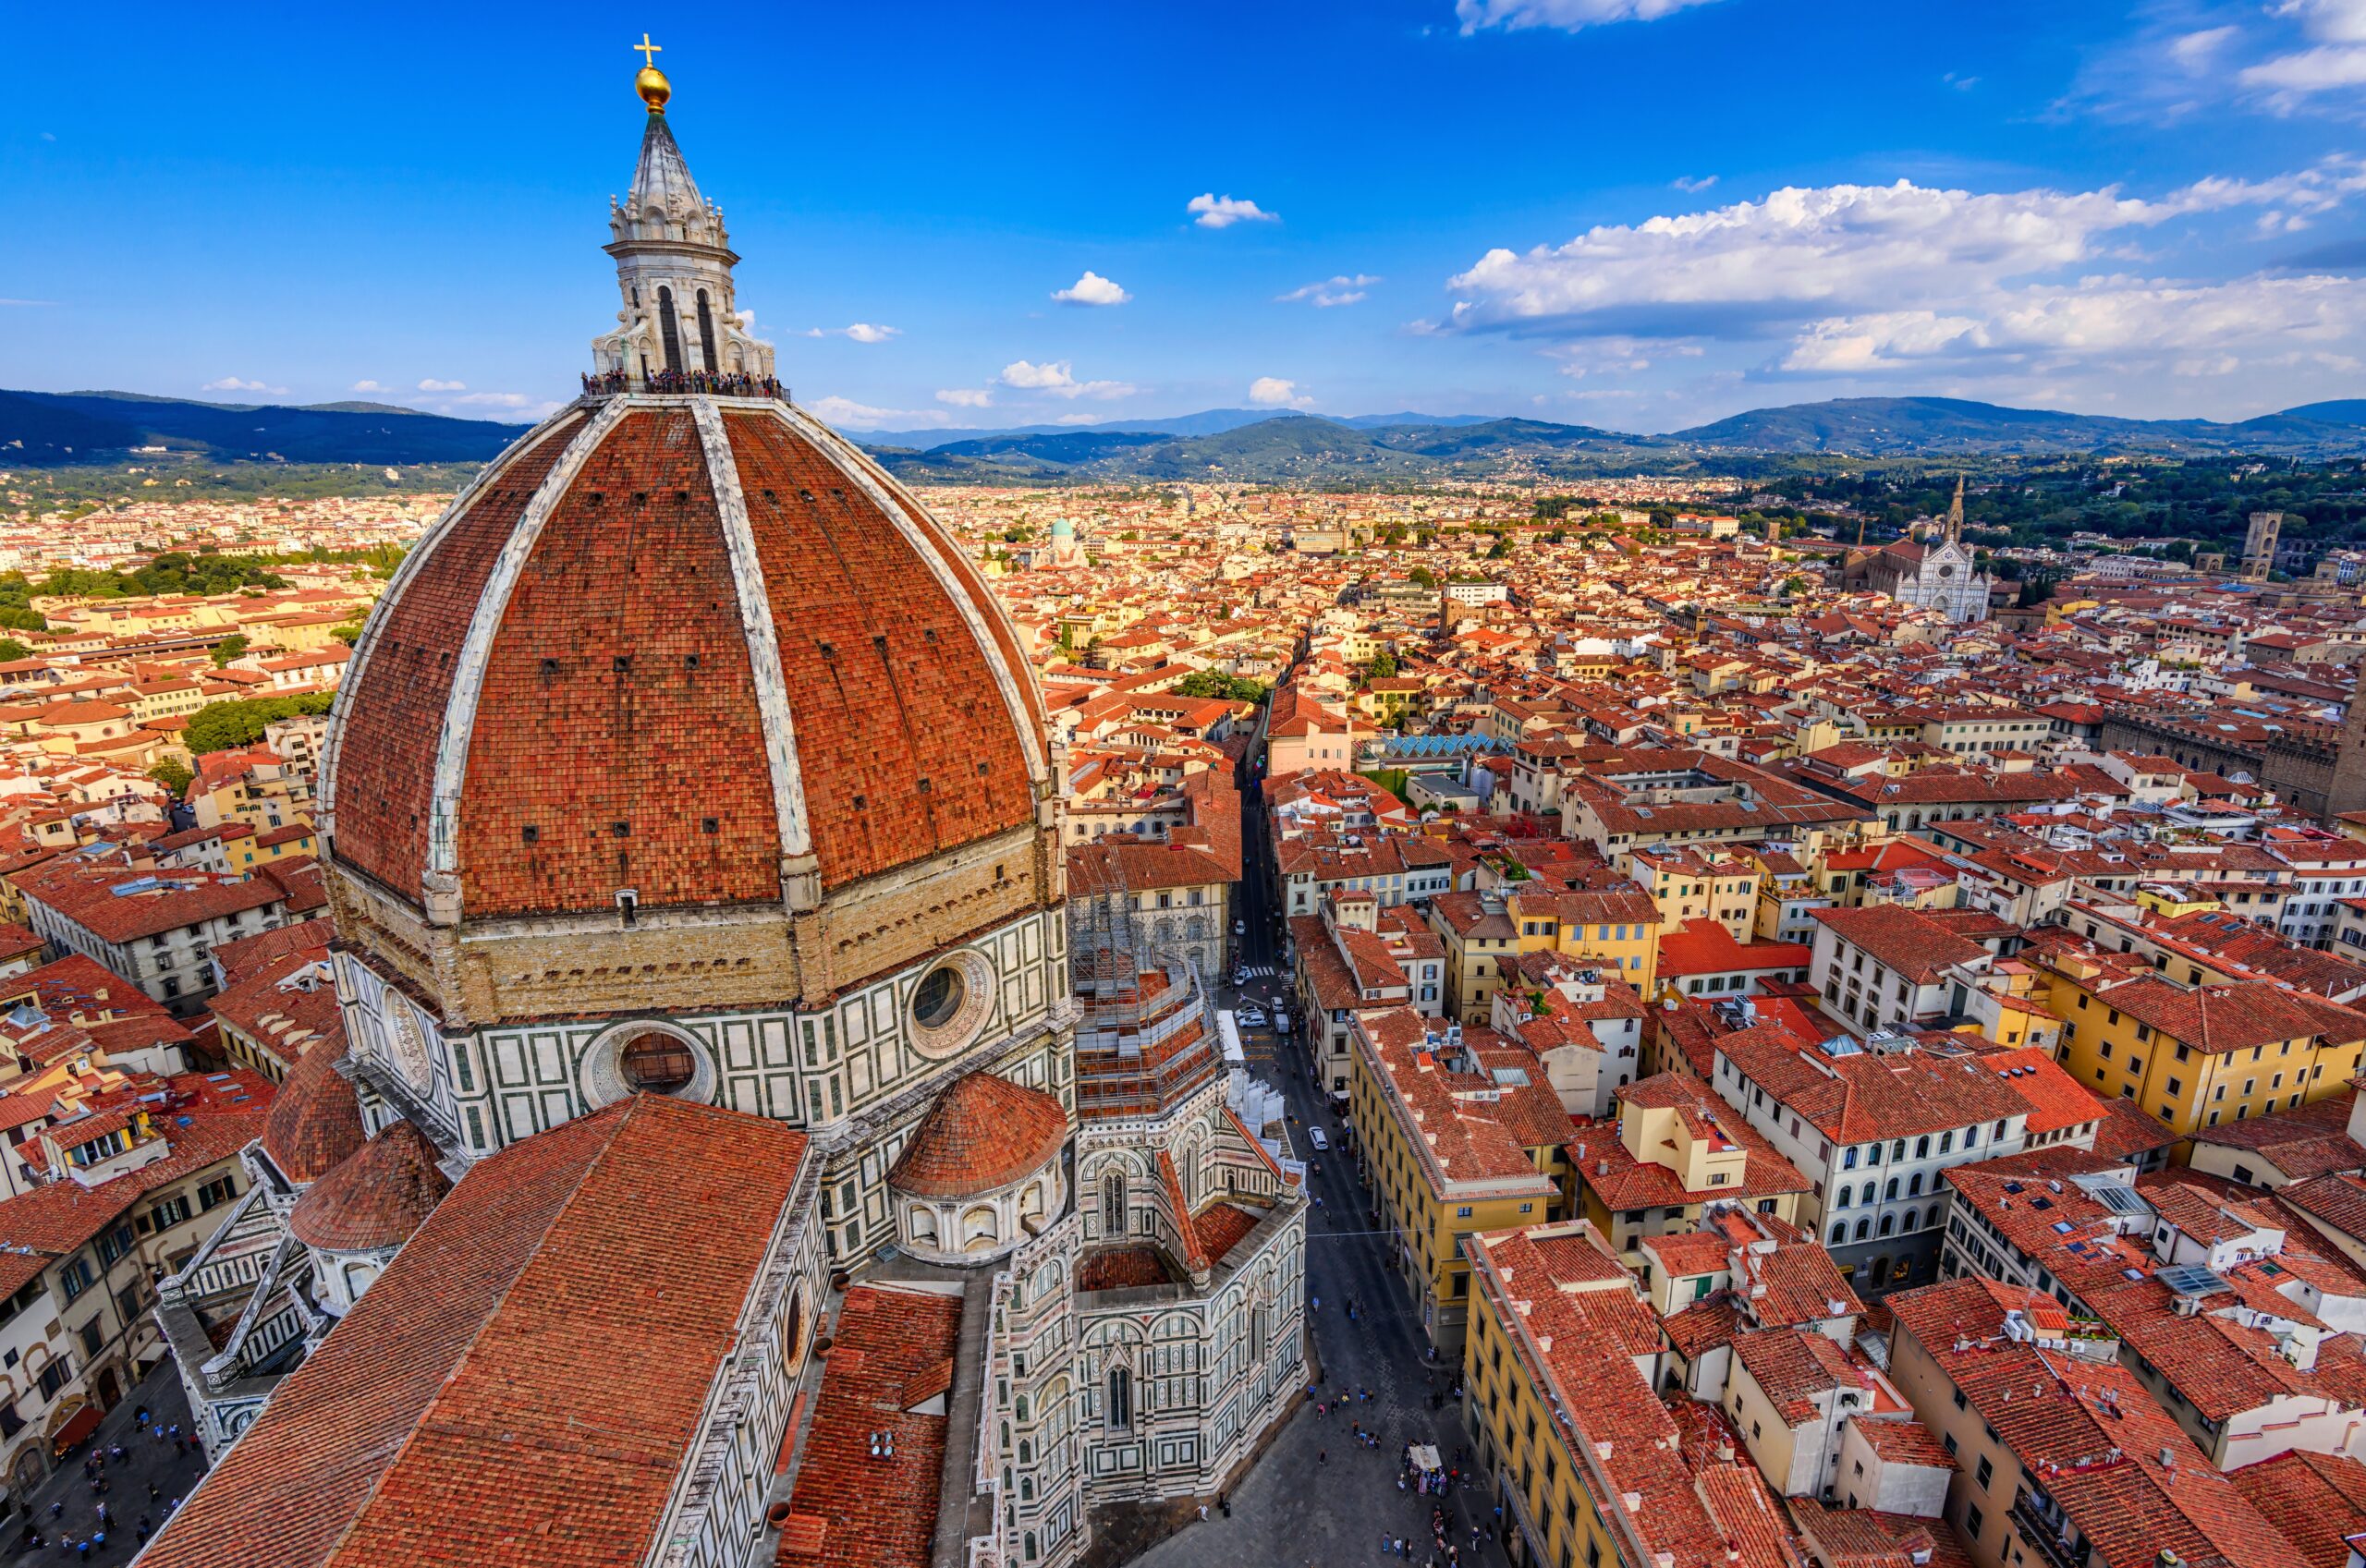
(626, 1240)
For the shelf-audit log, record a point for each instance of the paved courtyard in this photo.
(1295, 1509)
(145, 1462)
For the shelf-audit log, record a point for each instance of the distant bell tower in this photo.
(2347, 792)
(1955, 514)
(674, 262)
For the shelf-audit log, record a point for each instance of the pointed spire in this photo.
(674, 262)
(1955, 513)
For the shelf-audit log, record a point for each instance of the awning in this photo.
(81, 1425)
(1425, 1456)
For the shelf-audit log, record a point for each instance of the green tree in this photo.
(1497, 551)
(348, 634)
(12, 651)
(174, 774)
(1421, 577)
(229, 648)
(1383, 666)
(1216, 683)
(220, 727)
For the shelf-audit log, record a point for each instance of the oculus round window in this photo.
(657, 1064)
(937, 1002)
(951, 1004)
(1946, 571)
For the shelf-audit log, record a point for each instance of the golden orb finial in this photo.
(649, 82)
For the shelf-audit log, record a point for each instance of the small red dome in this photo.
(375, 1200)
(315, 1122)
(983, 1134)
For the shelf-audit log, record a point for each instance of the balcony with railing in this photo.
(2048, 1536)
(704, 384)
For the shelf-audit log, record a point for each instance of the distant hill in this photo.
(38, 434)
(2341, 411)
(101, 425)
(1927, 427)
(1211, 421)
(1239, 444)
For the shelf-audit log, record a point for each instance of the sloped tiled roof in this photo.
(984, 1132)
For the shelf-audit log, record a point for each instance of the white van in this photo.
(1314, 1135)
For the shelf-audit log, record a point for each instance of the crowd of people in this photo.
(716, 384)
(78, 1539)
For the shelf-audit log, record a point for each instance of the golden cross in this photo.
(648, 51)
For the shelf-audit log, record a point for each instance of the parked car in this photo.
(1314, 1135)
(1240, 927)
(1249, 1018)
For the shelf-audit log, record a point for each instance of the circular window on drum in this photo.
(951, 1004)
(657, 1064)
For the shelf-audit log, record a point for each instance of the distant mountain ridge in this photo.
(68, 427)
(1238, 444)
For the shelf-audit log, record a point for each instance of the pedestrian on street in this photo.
(1323, 1456)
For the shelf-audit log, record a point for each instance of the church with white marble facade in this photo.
(726, 1115)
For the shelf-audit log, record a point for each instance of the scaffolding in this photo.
(1146, 1027)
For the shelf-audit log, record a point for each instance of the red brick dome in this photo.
(315, 1122)
(692, 647)
(377, 1198)
(983, 1134)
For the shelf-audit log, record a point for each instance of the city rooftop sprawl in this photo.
(695, 1003)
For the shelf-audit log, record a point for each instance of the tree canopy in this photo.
(1214, 682)
(221, 726)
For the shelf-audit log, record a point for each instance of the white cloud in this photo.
(1223, 211)
(967, 396)
(1092, 289)
(2334, 58)
(1345, 289)
(235, 384)
(1960, 82)
(858, 331)
(1567, 15)
(2027, 293)
(1272, 392)
(432, 384)
(1058, 379)
(864, 416)
(27, 301)
(494, 400)
(367, 386)
(1690, 184)
(2194, 50)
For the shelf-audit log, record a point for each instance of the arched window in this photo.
(706, 334)
(1113, 1204)
(1890, 1192)
(1030, 1546)
(1890, 1224)
(1026, 1489)
(1914, 1185)
(1120, 1415)
(1840, 1232)
(1862, 1226)
(1026, 1451)
(981, 1229)
(1841, 1201)
(1022, 1407)
(670, 329)
(922, 1222)
(1913, 1216)
(1880, 1270)
(657, 1064)
(1923, 1148)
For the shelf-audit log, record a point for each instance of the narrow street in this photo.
(1319, 1499)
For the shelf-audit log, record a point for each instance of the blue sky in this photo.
(1636, 213)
